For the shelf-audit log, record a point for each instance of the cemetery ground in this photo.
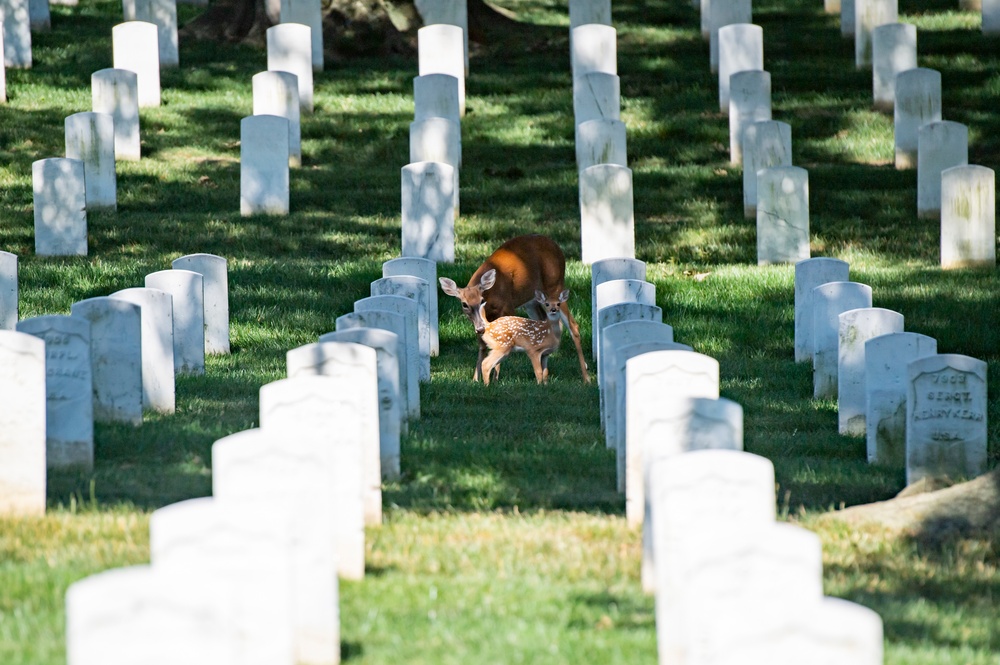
(505, 540)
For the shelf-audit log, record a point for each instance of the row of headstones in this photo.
(917, 408)
(858, 17)
(110, 359)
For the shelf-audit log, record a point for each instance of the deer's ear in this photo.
(449, 286)
(488, 279)
(564, 296)
(539, 297)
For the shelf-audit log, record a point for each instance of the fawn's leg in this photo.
(490, 362)
(574, 332)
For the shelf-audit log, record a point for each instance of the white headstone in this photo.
(16, 34)
(968, 217)
(623, 311)
(157, 346)
(436, 96)
(607, 221)
(886, 360)
(622, 334)
(409, 368)
(60, 203)
(22, 424)
(250, 549)
(828, 302)
(40, 18)
(216, 283)
(188, 292)
(140, 614)
(857, 326)
(69, 389)
(254, 467)
(652, 379)
(310, 13)
(441, 50)
(596, 96)
(848, 23)
(946, 432)
(411, 289)
(606, 270)
(429, 198)
(990, 17)
(8, 290)
(390, 415)
(918, 101)
(940, 145)
(321, 408)
(135, 48)
(600, 142)
(437, 140)
(749, 101)
(116, 92)
(3, 71)
(868, 15)
(582, 12)
(277, 93)
(894, 50)
(766, 144)
(741, 47)
(115, 357)
(90, 138)
(782, 215)
(289, 49)
(448, 12)
(354, 367)
(808, 275)
(721, 14)
(617, 290)
(426, 270)
(264, 165)
(593, 48)
(163, 14)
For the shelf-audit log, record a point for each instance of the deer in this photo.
(512, 274)
(516, 333)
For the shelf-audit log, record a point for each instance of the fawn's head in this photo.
(551, 305)
(471, 297)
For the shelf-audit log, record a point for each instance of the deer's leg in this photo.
(478, 371)
(538, 364)
(491, 361)
(574, 332)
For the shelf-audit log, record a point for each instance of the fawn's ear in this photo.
(564, 296)
(488, 279)
(539, 297)
(449, 286)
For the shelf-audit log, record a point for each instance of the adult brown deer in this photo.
(536, 338)
(512, 274)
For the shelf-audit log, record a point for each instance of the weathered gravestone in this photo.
(16, 24)
(310, 13)
(596, 96)
(582, 12)
(828, 302)
(277, 93)
(684, 424)
(766, 144)
(69, 390)
(115, 357)
(216, 283)
(618, 313)
(390, 413)
(782, 215)
(614, 291)
(8, 290)
(429, 197)
(855, 327)
(808, 275)
(749, 102)
(990, 17)
(600, 142)
(60, 205)
(868, 15)
(90, 138)
(436, 96)
(848, 22)
(22, 424)
(289, 49)
(409, 368)
(157, 319)
(622, 334)
(426, 270)
(886, 359)
(321, 409)
(721, 14)
(606, 270)
(264, 165)
(945, 417)
(437, 140)
(417, 290)
(651, 379)
(918, 101)
(940, 145)
(116, 92)
(355, 369)
(968, 217)
(894, 50)
(39, 18)
(134, 46)
(249, 548)
(593, 48)
(607, 220)
(295, 475)
(187, 290)
(163, 14)
(741, 48)
(441, 50)
(140, 614)
(448, 12)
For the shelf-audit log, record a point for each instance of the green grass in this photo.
(504, 540)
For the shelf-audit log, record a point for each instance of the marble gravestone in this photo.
(721, 14)
(441, 50)
(289, 49)
(277, 93)
(918, 101)
(60, 207)
(741, 47)
(968, 217)
(749, 102)
(857, 326)
(157, 320)
(782, 215)
(436, 96)
(894, 50)
(22, 424)
(135, 48)
(116, 92)
(766, 144)
(8, 291)
(429, 197)
(16, 24)
(600, 142)
(596, 96)
(90, 138)
(426, 270)
(615, 291)
(447, 12)
(606, 270)
(622, 334)
(187, 291)
(593, 48)
(310, 13)
(809, 274)
(828, 302)
(607, 219)
(416, 291)
(215, 274)
(940, 145)
(264, 152)
(162, 13)
(868, 15)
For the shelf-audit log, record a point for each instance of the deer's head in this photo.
(471, 297)
(551, 305)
